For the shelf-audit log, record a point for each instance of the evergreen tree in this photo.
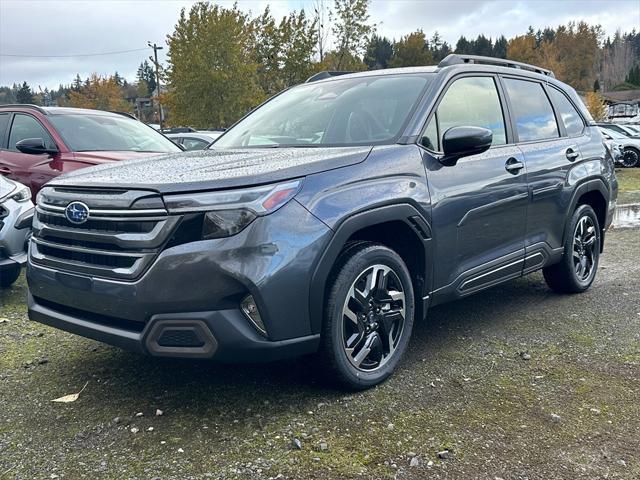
(77, 83)
(482, 46)
(147, 76)
(24, 94)
(463, 46)
(379, 52)
(500, 47)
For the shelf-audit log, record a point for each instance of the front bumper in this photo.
(187, 303)
(224, 335)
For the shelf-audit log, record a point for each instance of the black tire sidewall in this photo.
(583, 210)
(359, 259)
(633, 152)
(9, 276)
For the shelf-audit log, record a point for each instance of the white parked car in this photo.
(630, 146)
(16, 215)
(191, 139)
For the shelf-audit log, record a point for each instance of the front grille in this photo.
(100, 260)
(98, 225)
(117, 241)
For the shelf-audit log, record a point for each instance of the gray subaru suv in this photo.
(330, 218)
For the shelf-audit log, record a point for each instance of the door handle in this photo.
(571, 154)
(5, 170)
(513, 165)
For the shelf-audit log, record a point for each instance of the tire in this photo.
(577, 270)
(366, 330)
(9, 276)
(630, 158)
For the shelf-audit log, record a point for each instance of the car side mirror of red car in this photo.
(35, 146)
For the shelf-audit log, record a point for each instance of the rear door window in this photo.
(570, 117)
(532, 110)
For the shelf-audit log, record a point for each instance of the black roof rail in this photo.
(325, 74)
(25, 105)
(459, 59)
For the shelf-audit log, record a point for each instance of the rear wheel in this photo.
(9, 276)
(577, 269)
(369, 314)
(630, 157)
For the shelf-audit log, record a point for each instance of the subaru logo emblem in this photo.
(77, 212)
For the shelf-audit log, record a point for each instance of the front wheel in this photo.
(630, 157)
(577, 270)
(9, 276)
(369, 314)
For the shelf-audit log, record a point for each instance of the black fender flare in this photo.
(396, 212)
(592, 185)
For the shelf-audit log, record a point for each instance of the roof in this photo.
(63, 110)
(452, 61)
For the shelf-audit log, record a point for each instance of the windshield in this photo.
(342, 112)
(95, 133)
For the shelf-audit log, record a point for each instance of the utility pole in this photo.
(154, 59)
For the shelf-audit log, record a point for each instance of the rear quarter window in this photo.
(568, 114)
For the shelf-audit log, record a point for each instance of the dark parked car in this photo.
(40, 143)
(330, 218)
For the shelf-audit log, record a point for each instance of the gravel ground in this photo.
(513, 383)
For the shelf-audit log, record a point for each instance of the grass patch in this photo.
(628, 180)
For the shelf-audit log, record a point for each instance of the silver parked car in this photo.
(194, 139)
(16, 215)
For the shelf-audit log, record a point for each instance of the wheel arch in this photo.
(595, 194)
(400, 227)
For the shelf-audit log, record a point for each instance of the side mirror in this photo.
(459, 142)
(34, 146)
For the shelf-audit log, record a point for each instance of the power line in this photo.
(71, 56)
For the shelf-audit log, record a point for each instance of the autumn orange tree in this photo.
(100, 93)
(595, 105)
(570, 52)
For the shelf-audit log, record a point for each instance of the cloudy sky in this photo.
(47, 42)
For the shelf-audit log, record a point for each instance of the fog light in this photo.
(250, 310)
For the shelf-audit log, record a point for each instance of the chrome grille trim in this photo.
(110, 244)
(99, 212)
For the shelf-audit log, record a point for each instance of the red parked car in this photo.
(40, 143)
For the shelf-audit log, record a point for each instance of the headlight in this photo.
(23, 194)
(228, 212)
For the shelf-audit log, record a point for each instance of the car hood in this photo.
(213, 169)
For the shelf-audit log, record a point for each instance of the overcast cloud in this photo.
(48, 28)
